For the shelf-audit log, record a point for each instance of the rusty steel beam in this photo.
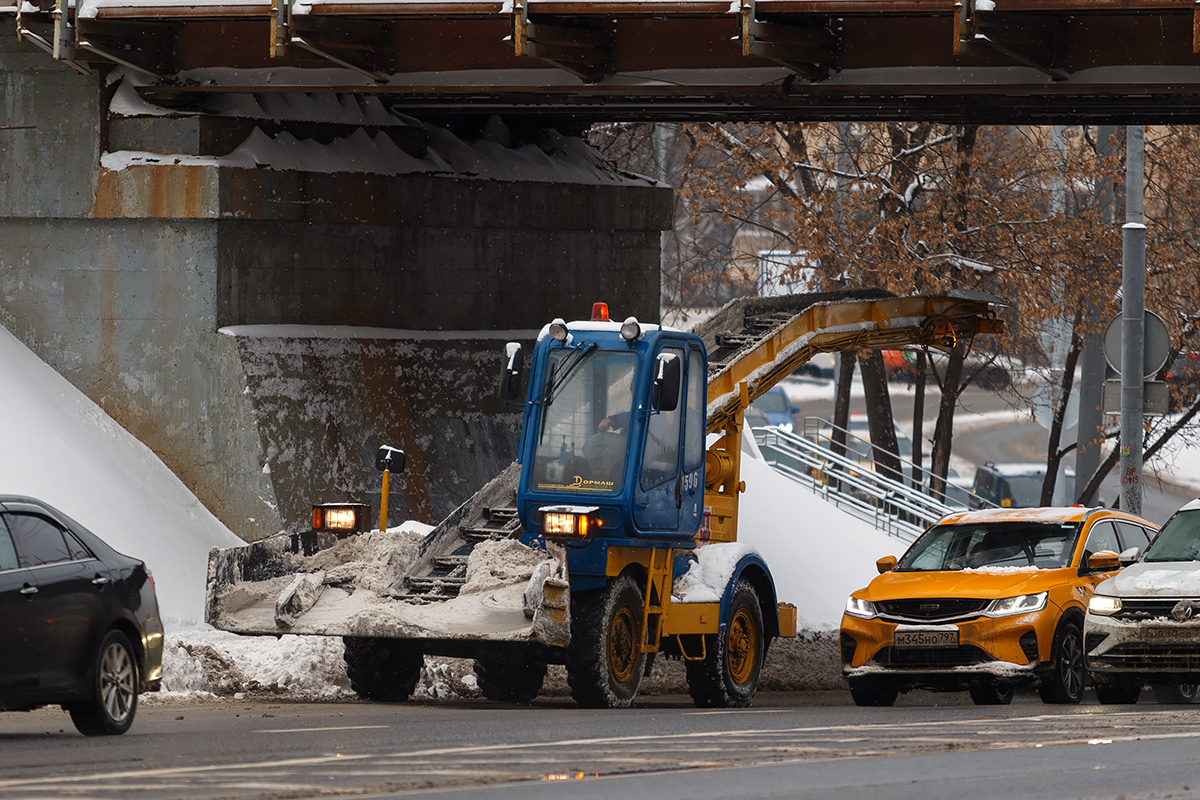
(1033, 60)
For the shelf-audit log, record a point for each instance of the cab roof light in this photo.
(558, 329)
(599, 312)
(631, 329)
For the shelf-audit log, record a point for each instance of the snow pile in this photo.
(65, 450)
(495, 155)
(709, 574)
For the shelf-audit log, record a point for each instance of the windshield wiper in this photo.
(559, 375)
(566, 370)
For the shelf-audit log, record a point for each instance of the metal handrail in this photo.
(891, 506)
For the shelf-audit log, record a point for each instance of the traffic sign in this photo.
(1156, 339)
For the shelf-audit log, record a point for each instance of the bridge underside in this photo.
(581, 61)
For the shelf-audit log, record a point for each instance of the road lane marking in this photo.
(330, 728)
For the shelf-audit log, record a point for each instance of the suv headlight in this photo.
(863, 609)
(1021, 604)
(1104, 605)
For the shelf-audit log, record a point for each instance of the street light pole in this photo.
(1133, 313)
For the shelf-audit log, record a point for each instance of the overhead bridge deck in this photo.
(1066, 61)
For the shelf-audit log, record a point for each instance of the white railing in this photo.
(901, 508)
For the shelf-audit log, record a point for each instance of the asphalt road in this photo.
(790, 745)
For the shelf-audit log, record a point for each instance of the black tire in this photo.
(510, 680)
(111, 704)
(382, 669)
(1118, 693)
(992, 694)
(728, 675)
(1175, 693)
(873, 692)
(604, 659)
(1068, 673)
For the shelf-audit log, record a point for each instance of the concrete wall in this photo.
(121, 279)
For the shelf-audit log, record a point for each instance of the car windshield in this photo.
(1179, 540)
(1041, 545)
(1024, 491)
(585, 427)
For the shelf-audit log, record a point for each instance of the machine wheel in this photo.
(382, 669)
(604, 659)
(510, 680)
(1065, 682)
(1174, 693)
(1118, 693)
(112, 697)
(868, 692)
(728, 675)
(992, 694)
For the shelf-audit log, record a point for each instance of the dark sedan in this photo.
(79, 621)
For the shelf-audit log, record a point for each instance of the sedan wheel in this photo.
(112, 700)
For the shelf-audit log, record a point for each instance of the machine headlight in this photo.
(570, 523)
(341, 518)
(1104, 605)
(558, 329)
(1021, 604)
(863, 609)
(630, 329)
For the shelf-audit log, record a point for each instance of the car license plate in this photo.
(926, 638)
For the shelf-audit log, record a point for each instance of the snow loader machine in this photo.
(612, 538)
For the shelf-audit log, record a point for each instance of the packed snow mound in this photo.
(818, 554)
(65, 450)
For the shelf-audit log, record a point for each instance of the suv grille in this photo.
(931, 609)
(1147, 608)
(931, 657)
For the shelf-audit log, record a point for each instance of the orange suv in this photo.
(984, 601)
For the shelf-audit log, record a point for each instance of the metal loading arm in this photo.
(777, 335)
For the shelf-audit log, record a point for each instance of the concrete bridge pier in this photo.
(263, 323)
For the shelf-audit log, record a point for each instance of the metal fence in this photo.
(901, 506)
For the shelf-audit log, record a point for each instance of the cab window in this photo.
(693, 454)
(660, 459)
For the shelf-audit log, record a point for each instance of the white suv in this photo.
(1143, 625)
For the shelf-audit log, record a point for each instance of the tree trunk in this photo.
(1053, 454)
(943, 431)
(918, 418)
(841, 406)
(885, 451)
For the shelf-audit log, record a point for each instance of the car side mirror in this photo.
(390, 458)
(664, 394)
(1103, 561)
(1130, 555)
(510, 372)
(886, 564)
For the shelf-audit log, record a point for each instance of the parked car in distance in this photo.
(1019, 485)
(1143, 625)
(984, 601)
(775, 408)
(78, 620)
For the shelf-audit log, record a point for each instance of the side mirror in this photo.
(886, 564)
(510, 372)
(664, 394)
(390, 458)
(1129, 556)
(1103, 561)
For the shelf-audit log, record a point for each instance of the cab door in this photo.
(658, 494)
